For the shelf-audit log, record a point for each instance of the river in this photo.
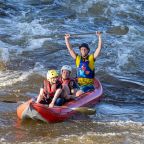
(31, 42)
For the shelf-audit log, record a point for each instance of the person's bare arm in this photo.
(98, 49)
(40, 96)
(69, 47)
(57, 94)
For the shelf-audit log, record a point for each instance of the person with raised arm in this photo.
(85, 64)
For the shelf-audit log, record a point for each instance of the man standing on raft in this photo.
(85, 64)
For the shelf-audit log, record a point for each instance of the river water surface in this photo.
(31, 43)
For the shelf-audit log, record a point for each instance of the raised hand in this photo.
(98, 33)
(67, 36)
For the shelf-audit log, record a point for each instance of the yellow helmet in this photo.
(52, 74)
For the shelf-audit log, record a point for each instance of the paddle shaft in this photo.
(83, 110)
(117, 30)
(79, 34)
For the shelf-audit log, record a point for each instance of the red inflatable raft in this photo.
(33, 110)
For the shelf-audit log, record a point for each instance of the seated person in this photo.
(69, 84)
(51, 93)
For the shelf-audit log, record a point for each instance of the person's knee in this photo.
(66, 88)
(73, 91)
(78, 93)
(59, 101)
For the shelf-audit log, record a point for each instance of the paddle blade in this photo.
(85, 110)
(118, 30)
(8, 101)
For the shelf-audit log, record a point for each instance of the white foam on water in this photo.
(129, 49)
(91, 137)
(126, 79)
(119, 113)
(111, 109)
(7, 50)
(65, 3)
(34, 44)
(4, 54)
(106, 134)
(123, 56)
(3, 140)
(32, 28)
(8, 78)
(40, 69)
(122, 123)
(82, 7)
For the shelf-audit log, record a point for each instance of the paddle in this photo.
(83, 110)
(8, 101)
(117, 30)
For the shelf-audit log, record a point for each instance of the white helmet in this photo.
(66, 67)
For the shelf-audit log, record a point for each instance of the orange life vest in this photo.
(50, 89)
(70, 82)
